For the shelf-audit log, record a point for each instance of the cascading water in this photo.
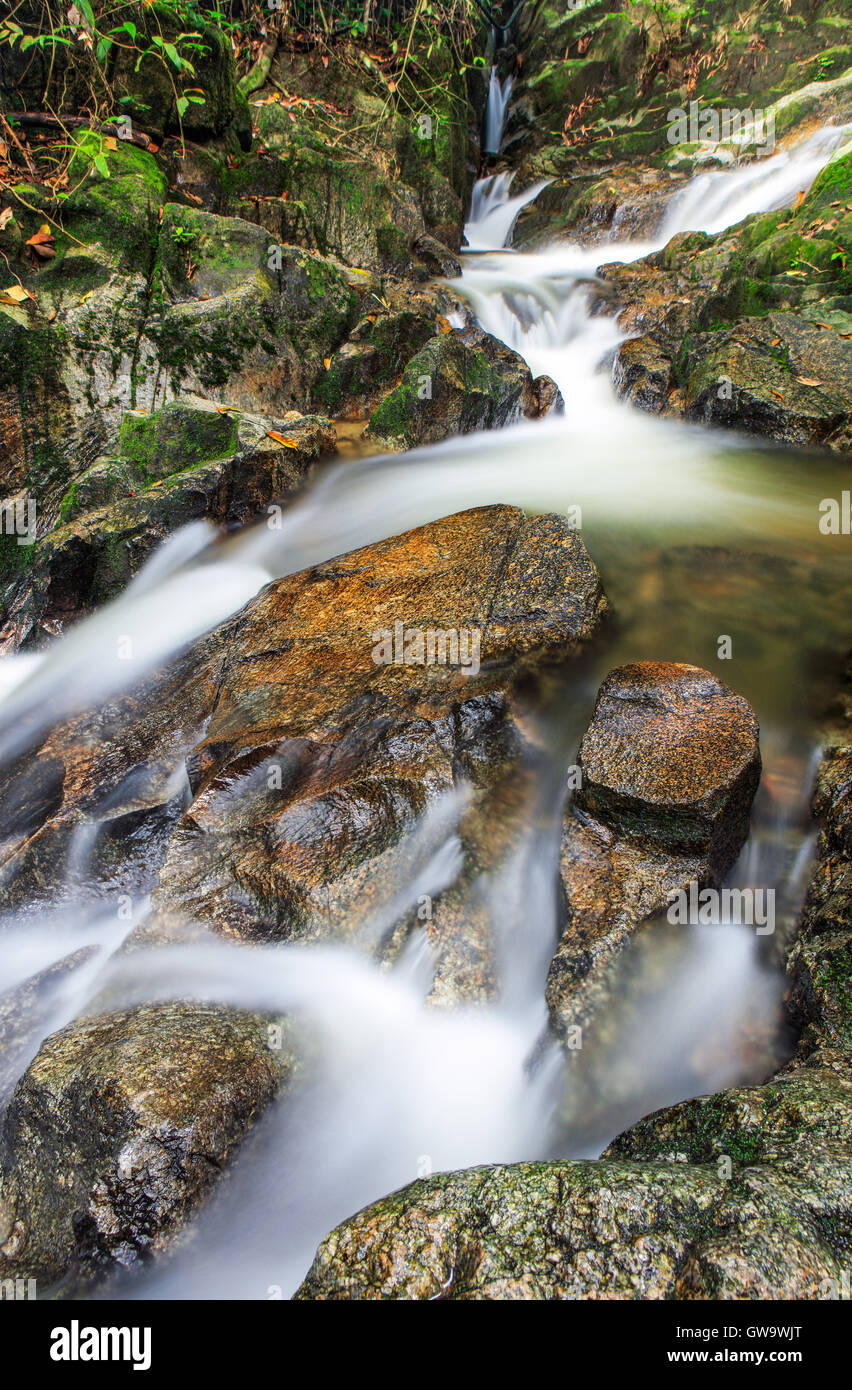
(393, 1087)
(499, 94)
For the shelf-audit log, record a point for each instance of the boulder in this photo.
(669, 766)
(458, 383)
(595, 1230)
(309, 750)
(323, 750)
(186, 462)
(119, 1128)
(671, 756)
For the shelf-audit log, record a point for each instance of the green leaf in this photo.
(182, 104)
(103, 49)
(86, 10)
(173, 54)
(102, 166)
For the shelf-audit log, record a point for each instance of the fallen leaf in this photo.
(111, 143)
(775, 342)
(42, 246)
(326, 362)
(800, 198)
(16, 294)
(5, 217)
(809, 380)
(779, 394)
(292, 415)
(283, 439)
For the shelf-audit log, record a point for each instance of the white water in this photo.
(721, 198)
(495, 112)
(394, 1088)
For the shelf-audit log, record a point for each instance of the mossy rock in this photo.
(241, 316)
(119, 210)
(152, 1101)
(453, 387)
(334, 204)
(178, 436)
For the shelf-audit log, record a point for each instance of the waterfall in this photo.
(395, 1088)
(495, 112)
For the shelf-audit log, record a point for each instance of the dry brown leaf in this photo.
(5, 217)
(809, 380)
(111, 143)
(283, 439)
(16, 294)
(326, 362)
(779, 394)
(42, 246)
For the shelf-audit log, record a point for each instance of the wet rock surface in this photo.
(606, 1229)
(458, 384)
(318, 757)
(669, 766)
(309, 747)
(739, 1195)
(671, 755)
(748, 329)
(186, 462)
(118, 1129)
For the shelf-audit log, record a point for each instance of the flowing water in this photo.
(697, 535)
(495, 112)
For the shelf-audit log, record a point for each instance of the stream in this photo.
(696, 535)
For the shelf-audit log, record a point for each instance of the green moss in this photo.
(177, 437)
(121, 211)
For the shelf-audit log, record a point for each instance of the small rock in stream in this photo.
(669, 764)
